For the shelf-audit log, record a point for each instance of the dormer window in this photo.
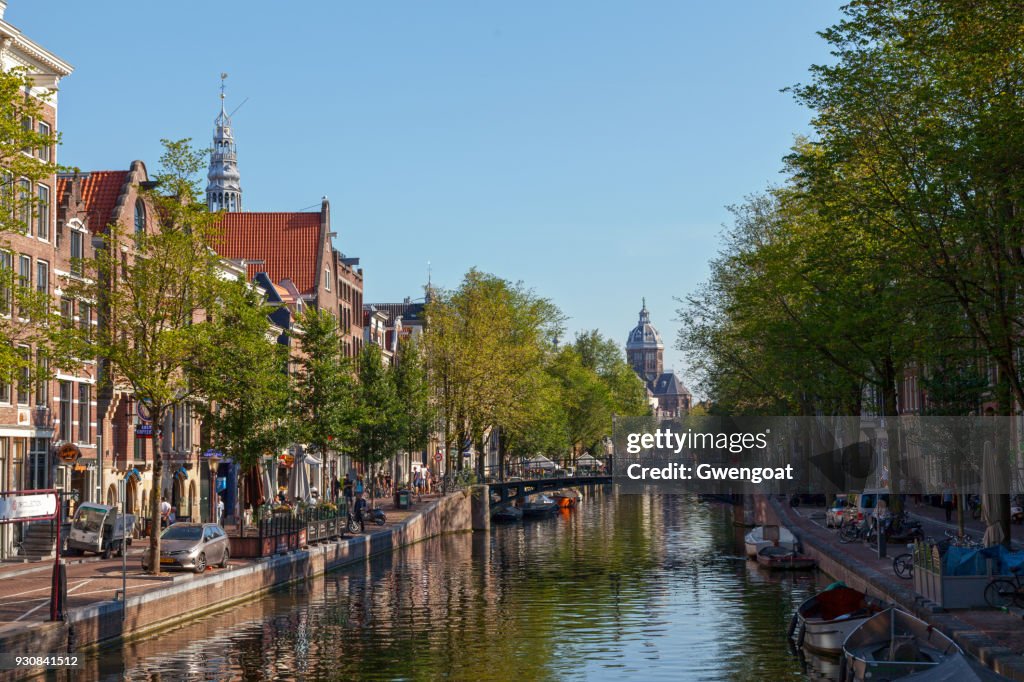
(140, 216)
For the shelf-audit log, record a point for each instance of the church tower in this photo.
(644, 350)
(224, 191)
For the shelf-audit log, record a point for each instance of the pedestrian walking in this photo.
(347, 490)
(165, 512)
(220, 511)
(360, 512)
(947, 502)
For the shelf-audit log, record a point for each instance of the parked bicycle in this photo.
(965, 541)
(1002, 593)
(903, 566)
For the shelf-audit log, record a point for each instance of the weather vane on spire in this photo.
(223, 77)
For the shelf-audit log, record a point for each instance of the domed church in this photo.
(646, 355)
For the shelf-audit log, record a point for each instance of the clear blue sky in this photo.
(587, 148)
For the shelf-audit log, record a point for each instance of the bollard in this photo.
(881, 541)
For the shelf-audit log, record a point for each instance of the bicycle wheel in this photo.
(903, 566)
(848, 534)
(1001, 593)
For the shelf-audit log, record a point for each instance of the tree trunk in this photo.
(156, 496)
(889, 398)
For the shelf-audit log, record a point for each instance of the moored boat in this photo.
(825, 620)
(754, 541)
(782, 559)
(507, 513)
(893, 644)
(566, 498)
(540, 505)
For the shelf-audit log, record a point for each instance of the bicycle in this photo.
(903, 566)
(965, 541)
(1004, 592)
(854, 532)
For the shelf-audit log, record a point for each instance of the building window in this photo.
(26, 125)
(39, 464)
(6, 282)
(44, 152)
(77, 252)
(42, 380)
(25, 271)
(5, 391)
(140, 215)
(24, 376)
(43, 216)
(25, 204)
(66, 415)
(327, 279)
(43, 277)
(84, 401)
(85, 319)
(67, 312)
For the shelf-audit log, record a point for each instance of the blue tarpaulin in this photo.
(962, 561)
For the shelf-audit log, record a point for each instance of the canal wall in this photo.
(188, 596)
(820, 544)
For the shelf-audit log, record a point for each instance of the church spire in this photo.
(224, 191)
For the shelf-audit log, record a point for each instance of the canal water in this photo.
(624, 587)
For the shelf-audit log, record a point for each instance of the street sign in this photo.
(438, 457)
(122, 491)
(144, 431)
(27, 506)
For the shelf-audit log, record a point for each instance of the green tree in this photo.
(379, 415)
(418, 416)
(241, 373)
(35, 322)
(154, 289)
(323, 409)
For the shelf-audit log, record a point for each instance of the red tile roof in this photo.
(100, 191)
(287, 243)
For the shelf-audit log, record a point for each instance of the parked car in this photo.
(193, 546)
(837, 513)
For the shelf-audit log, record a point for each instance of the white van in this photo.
(863, 504)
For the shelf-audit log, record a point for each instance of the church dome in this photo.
(644, 335)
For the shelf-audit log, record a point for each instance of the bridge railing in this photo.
(530, 469)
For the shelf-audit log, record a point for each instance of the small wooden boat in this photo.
(506, 514)
(894, 644)
(823, 622)
(782, 559)
(541, 505)
(566, 499)
(754, 541)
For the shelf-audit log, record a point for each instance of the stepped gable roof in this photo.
(287, 243)
(100, 192)
(669, 384)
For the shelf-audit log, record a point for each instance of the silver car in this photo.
(193, 546)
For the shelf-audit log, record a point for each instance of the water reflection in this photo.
(625, 587)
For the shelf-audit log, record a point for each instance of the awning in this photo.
(181, 473)
(133, 473)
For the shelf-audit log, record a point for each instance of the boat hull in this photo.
(919, 647)
(754, 542)
(780, 559)
(828, 618)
